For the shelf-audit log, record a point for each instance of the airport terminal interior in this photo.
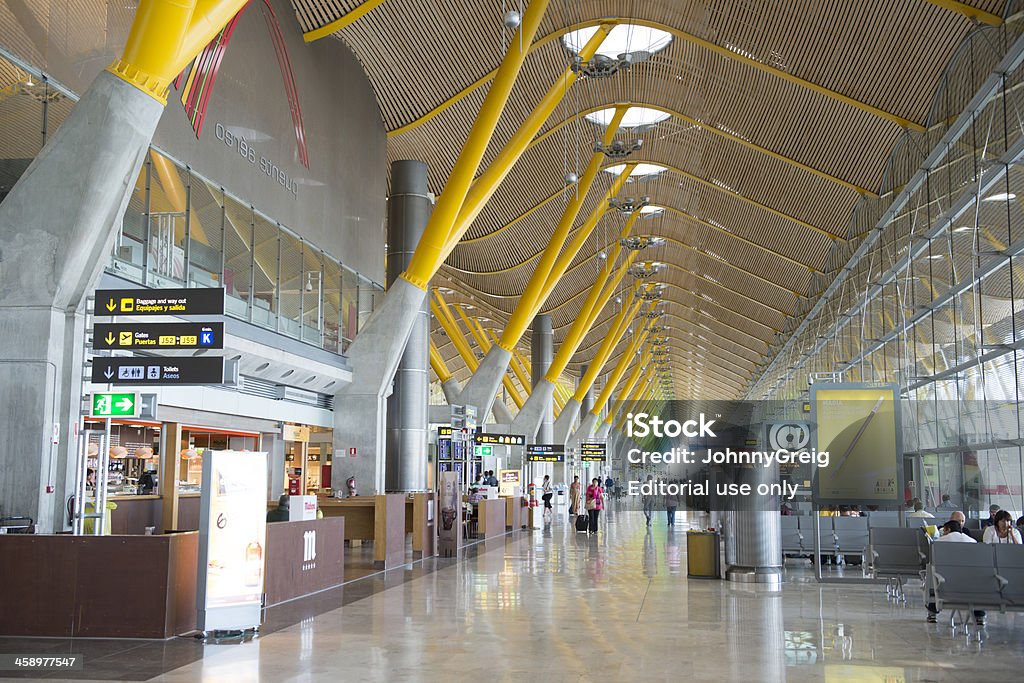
(514, 340)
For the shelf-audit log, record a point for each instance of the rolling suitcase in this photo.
(582, 522)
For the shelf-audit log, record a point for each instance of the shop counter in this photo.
(419, 521)
(490, 518)
(134, 513)
(188, 511)
(98, 586)
(380, 519)
(515, 513)
(292, 571)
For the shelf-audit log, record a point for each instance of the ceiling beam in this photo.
(972, 13)
(347, 19)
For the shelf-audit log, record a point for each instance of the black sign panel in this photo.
(192, 301)
(500, 439)
(444, 431)
(592, 452)
(140, 370)
(158, 336)
(539, 452)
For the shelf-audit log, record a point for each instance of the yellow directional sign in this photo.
(125, 338)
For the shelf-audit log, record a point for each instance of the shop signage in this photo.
(296, 433)
(592, 452)
(142, 370)
(309, 550)
(539, 452)
(301, 508)
(191, 301)
(508, 482)
(125, 404)
(500, 439)
(158, 336)
(232, 539)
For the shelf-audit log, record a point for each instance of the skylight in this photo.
(622, 38)
(649, 209)
(634, 117)
(640, 170)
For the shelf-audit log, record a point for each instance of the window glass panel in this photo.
(168, 202)
(265, 272)
(237, 257)
(332, 302)
(350, 305)
(206, 217)
(312, 293)
(293, 283)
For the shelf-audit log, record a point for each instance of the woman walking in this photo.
(548, 493)
(595, 503)
(574, 496)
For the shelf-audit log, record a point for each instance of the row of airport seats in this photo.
(839, 535)
(977, 576)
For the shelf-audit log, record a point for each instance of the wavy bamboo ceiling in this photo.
(782, 117)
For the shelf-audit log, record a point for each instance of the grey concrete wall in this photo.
(338, 202)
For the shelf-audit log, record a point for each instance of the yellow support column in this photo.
(429, 254)
(531, 301)
(619, 326)
(484, 186)
(620, 369)
(165, 36)
(600, 293)
(438, 365)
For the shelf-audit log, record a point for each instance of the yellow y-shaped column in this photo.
(531, 415)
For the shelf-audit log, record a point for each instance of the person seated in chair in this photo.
(952, 532)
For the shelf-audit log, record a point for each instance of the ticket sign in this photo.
(500, 439)
(191, 301)
(142, 370)
(158, 336)
(592, 452)
(545, 452)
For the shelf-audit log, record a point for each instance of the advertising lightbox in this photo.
(232, 540)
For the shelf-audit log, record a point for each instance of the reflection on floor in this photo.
(554, 605)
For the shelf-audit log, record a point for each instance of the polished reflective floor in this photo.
(554, 605)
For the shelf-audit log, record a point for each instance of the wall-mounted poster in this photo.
(232, 540)
(858, 425)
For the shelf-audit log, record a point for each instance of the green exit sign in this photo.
(481, 451)
(123, 404)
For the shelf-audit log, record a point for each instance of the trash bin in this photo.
(703, 555)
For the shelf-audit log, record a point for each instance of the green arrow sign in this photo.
(480, 451)
(115, 405)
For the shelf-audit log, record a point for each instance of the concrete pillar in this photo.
(541, 353)
(360, 407)
(408, 211)
(57, 227)
(588, 399)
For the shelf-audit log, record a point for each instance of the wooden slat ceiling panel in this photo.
(759, 161)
